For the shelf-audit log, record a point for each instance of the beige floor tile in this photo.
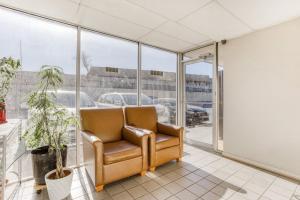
(193, 177)
(161, 194)
(113, 189)
(182, 171)
(173, 175)
(173, 198)
(162, 180)
(99, 195)
(151, 186)
(247, 195)
(146, 197)
(122, 196)
(211, 196)
(174, 188)
(206, 184)
(137, 192)
(184, 182)
(129, 183)
(223, 192)
(142, 179)
(275, 196)
(197, 190)
(281, 190)
(185, 194)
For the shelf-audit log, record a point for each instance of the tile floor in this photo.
(200, 175)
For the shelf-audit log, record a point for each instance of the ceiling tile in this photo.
(127, 11)
(172, 9)
(214, 21)
(159, 39)
(97, 20)
(60, 9)
(263, 13)
(181, 32)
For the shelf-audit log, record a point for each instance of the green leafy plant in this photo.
(49, 121)
(8, 70)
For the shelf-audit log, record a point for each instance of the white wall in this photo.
(262, 98)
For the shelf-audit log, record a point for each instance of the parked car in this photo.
(195, 115)
(130, 99)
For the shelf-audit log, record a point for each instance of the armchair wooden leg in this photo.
(178, 159)
(143, 173)
(99, 188)
(152, 169)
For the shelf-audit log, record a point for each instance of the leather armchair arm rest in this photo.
(135, 135)
(138, 137)
(90, 138)
(170, 129)
(93, 157)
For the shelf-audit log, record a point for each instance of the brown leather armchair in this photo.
(111, 151)
(166, 141)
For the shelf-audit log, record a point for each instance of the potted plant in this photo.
(8, 70)
(43, 124)
(59, 180)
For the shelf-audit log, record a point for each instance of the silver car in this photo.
(130, 99)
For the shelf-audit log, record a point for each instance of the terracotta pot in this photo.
(2, 113)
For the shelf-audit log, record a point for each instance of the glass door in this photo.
(198, 101)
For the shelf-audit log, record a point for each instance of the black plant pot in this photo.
(43, 162)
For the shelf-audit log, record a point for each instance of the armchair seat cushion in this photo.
(120, 151)
(164, 141)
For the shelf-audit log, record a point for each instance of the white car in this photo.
(130, 99)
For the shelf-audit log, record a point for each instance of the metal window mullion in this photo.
(139, 68)
(179, 91)
(78, 55)
(215, 98)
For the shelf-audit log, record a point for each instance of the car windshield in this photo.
(68, 100)
(131, 99)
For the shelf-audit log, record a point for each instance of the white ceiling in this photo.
(177, 25)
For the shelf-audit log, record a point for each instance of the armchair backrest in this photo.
(141, 117)
(105, 123)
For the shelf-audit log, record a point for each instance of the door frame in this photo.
(182, 95)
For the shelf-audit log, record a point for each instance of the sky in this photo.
(39, 42)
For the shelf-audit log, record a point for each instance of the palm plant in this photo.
(49, 121)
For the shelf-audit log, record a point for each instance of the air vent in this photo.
(156, 73)
(112, 69)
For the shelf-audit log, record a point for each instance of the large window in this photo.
(38, 42)
(159, 82)
(108, 71)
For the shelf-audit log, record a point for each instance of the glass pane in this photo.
(198, 102)
(36, 43)
(108, 71)
(158, 79)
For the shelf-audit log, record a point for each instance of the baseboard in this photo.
(263, 166)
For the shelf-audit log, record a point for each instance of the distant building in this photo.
(101, 80)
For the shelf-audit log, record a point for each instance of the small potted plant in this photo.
(59, 180)
(8, 70)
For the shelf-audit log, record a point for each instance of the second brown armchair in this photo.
(111, 151)
(166, 141)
